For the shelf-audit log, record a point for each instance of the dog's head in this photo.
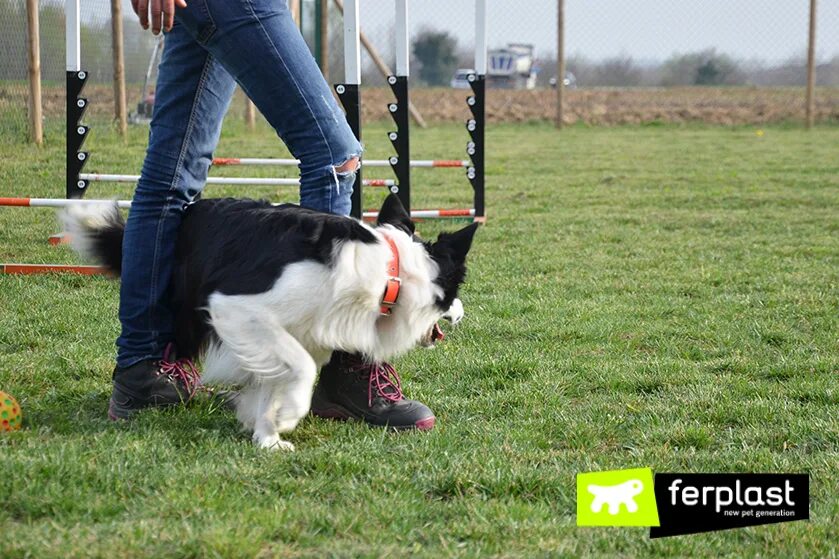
(431, 275)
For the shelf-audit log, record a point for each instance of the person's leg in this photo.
(259, 44)
(192, 96)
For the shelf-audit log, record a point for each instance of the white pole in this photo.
(402, 38)
(435, 163)
(352, 44)
(100, 177)
(73, 33)
(481, 37)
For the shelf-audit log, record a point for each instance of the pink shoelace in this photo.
(384, 381)
(182, 371)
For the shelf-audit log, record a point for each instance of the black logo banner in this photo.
(693, 503)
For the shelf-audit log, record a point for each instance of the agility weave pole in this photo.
(400, 138)
(349, 91)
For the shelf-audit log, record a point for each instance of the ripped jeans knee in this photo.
(331, 191)
(344, 174)
(351, 165)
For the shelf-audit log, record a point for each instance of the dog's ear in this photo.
(457, 244)
(394, 213)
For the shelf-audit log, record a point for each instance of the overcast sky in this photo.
(647, 30)
(772, 30)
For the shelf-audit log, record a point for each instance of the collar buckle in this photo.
(390, 296)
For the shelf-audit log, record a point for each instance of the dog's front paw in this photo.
(455, 312)
(272, 442)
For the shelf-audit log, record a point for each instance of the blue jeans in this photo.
(214, 45)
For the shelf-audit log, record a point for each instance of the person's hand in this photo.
(162, 13)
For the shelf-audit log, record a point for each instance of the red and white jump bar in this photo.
(98, 177)
(436, 163)
(64, 202)
(58, 202)
(31, 269)
(429, 214)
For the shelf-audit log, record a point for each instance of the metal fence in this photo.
(627, 62)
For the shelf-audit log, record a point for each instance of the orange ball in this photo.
(11, 418)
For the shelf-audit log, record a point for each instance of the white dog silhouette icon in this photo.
(615, 496)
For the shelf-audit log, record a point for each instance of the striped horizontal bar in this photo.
(430, 214)
(226, 180)
(59, 239)
(64, 202)
(29, 269)
(222, 161)
(58, 202)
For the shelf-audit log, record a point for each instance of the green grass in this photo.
(657, 296)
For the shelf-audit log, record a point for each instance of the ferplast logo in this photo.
(616, 498)
(690, 503)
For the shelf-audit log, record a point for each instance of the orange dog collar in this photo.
(391, 294)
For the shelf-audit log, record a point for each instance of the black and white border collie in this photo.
(265, 294)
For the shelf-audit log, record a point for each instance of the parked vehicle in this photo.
(460, 78)
(512, 67)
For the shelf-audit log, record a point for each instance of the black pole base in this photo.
(76, 134)
(476, 126)
(400, 138)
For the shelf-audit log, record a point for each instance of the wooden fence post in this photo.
(324, 38)
(36, 124)
(250, 114)
(560, 63)
(117, 43)
(811, 67)
(294, 7)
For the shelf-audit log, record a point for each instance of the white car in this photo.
(460, 79)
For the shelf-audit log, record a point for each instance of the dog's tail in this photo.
(95, 232)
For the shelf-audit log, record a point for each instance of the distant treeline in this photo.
(707, 67)
(95, 39)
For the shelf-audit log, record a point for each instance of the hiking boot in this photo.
(151, 383)
(349, 388)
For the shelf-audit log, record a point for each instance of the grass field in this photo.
(641, 296)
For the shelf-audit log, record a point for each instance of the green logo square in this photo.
(616, 498)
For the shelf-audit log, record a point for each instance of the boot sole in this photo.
(339, 413)
(119, 413)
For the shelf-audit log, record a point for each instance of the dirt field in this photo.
(727, 106)
(634, 106)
